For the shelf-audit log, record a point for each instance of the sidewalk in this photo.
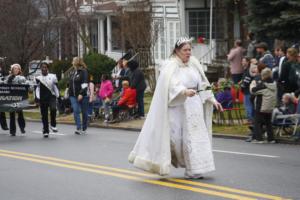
(136, 125)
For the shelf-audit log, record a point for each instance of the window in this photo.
(167, 36)
(173, 34)
(159, 49)
(198, 23)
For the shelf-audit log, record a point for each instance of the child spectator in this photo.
(264, 103)
(224, 95)
(127, 100)
(106, 91)
(248, 77)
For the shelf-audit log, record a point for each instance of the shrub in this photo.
(62, 84)
(59, 66)
(99, 64)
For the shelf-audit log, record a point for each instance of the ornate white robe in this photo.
(177, 129)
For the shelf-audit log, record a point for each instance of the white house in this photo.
(175, 18)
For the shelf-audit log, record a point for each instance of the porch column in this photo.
(101, 35)
(109, 45)
(86, 27)
(79, 42)
(59, 44)
(183, 24)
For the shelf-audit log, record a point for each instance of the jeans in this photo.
(80, 107)
(140, 102)
(12, 122)
(44, 106)
(90, 108)
(248, 107)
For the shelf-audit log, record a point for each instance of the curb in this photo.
(215, 135)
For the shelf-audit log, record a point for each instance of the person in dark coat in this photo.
(284, 78)
(78, 87)
(137, 81)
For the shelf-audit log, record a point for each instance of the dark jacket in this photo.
(246, 80)
(136, 77)
(288, 87)
(78, 83)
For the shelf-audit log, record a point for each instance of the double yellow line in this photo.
(198, 187)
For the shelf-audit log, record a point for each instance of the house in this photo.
(173, 18)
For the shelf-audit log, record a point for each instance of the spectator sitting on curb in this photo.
(127, 100)
(288, 107)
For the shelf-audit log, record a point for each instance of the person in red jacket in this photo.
(127, 100)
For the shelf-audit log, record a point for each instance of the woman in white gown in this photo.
(177, 129)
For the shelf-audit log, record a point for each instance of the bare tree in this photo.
(139, 32)
(78, 17)
(27, 29)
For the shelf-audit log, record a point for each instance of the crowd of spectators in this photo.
(269, 82)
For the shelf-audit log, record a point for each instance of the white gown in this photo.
(177, 122)
(190, 143)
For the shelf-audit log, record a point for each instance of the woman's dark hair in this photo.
(105, 77)
(261, 66)
(283, 48)
(251, 35)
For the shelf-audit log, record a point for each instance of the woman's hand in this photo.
(218, 106)
(189, 92)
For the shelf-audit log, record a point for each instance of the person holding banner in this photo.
(2, 114)
(15, 77)
(78, 94)
(46, 95)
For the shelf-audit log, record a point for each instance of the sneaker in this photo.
(78, 132)
(53, 129)
(257, 141)
(46, 135)
(248, 139)
(83, 132)
(272, 142)
(23, 131)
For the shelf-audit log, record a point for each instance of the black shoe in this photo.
(46, 135)
(5, 128)
(12, 133)
(23, 131)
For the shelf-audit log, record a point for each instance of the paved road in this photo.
(94, 167)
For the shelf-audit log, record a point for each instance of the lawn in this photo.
(224, 129)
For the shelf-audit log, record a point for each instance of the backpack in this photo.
(294, 74)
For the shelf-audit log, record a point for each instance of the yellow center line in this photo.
(148, 175)
(128, 177)
(226, 189)
(83, 164)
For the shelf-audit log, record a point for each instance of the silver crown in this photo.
(182, 40)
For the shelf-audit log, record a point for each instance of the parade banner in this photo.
(13, 97)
